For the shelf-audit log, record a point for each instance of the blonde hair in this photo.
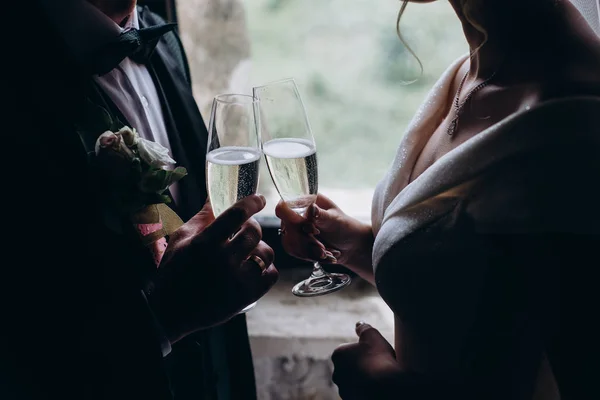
(410, 50)
(468, 10)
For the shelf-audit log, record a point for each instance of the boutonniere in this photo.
(136, 173)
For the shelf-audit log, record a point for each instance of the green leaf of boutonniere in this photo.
(178, 173)
(157, 180)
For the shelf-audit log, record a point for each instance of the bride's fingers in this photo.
(325, 202)
(301, 245)
(326, 220)
(290, 220)
(298, 237)
(310, 229)
(285, 213)
(316, 251)
(310, 249)
(335, 253)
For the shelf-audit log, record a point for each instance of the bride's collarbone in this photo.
(484, 110)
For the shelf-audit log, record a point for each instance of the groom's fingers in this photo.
(244, 241)
(257, 273)
(325, 202)
(202, 219)
(232, 219)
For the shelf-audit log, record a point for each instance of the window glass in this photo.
(350, 67)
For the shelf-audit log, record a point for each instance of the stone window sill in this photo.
(292, 338)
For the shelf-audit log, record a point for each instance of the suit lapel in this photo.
(185, 126)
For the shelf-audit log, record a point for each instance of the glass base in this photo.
(248, 308)
(321, 285)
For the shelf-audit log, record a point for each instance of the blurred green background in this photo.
(352, 71)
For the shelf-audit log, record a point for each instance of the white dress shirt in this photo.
(130, 86)
(132, 89)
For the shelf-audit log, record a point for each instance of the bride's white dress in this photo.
(470, 254)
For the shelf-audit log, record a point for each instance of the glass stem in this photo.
(318, 271)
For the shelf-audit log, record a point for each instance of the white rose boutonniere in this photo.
(154, 154)
(137, 172)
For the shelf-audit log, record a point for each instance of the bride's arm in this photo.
(472, 314)
(479, 294)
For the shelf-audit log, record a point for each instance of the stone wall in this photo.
(293, 338)
(215, 37)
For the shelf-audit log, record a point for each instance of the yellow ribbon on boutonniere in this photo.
(154, 223)
(161, 217)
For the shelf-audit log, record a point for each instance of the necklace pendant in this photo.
(452, 127)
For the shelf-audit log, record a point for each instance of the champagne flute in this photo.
(290, 151)
(233, 152)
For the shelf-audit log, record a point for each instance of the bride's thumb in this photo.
(361, 326)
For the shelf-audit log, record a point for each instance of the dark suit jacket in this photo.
(74, 321)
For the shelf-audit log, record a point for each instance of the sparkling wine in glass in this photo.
(291, 155)
(233, 152)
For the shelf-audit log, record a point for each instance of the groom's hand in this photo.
(212, 269)
(366, 369)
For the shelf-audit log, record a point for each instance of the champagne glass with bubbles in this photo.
(291, 155)
(233, 152)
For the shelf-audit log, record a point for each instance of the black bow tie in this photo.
(137, 44)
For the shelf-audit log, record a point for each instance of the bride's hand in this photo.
(326, 234)
(366, 369)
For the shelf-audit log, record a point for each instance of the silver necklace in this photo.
(458, 107)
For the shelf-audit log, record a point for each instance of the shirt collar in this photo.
(83, 27)
(132, 22)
